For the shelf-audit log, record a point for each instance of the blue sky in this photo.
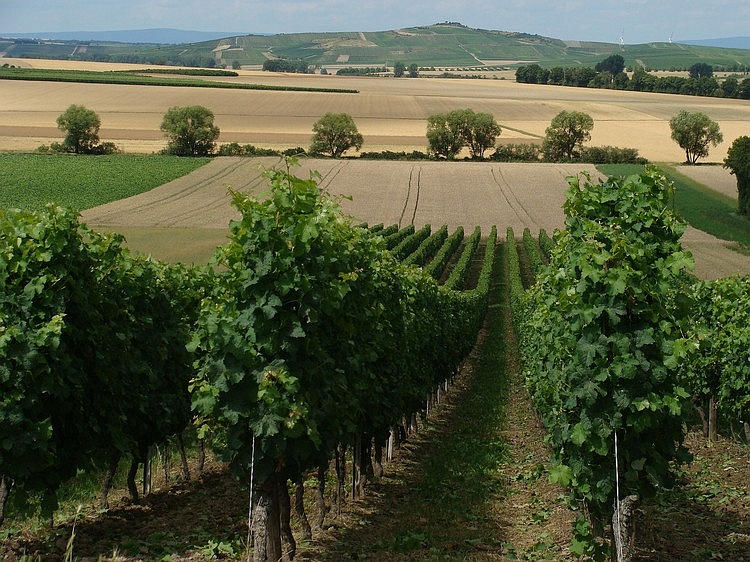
(637, 21)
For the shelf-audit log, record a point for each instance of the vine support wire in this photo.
(250, 504)
(616, 522)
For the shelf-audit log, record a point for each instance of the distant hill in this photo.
(447, 46)
(163, 36)
(723, 42)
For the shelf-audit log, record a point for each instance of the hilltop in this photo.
(440, 45)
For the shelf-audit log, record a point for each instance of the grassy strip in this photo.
(702, 207)
(109, 77)
(30, 181)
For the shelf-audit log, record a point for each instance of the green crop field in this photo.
(30, 181)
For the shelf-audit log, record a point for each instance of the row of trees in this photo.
(610, 73)
(190, 131)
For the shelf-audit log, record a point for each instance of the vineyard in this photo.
(315, 347)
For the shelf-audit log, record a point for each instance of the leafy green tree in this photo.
(448, 132)
(334, 134)
(190, 130)
(738, 162)
(701, 70)
(413, 70)
(444, 135)
(566, 134)
(693, 132)
(480, 132)
(398, 69)
(81, 127)
(614, 64)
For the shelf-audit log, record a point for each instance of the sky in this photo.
(635, 21)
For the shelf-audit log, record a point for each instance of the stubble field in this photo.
(390, 113)
(196, 208)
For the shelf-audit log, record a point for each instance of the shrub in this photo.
(517, 153)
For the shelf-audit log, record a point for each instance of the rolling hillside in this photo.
(439, 45)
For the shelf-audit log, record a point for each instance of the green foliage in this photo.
(283, 65)
(614, 64)
(399, 69)
(693, 132)
(460, 272)
(190, 130)
(738, 162)
(448, 132)
(273, 369)
(600, 339)
(440, 261)
(566, 134)
(30, 181)
(334, 134)
(109, 77)
(611, 155)
(81, 127)
(73, 301)
(517, 153)
(701, 70)
(719, 365)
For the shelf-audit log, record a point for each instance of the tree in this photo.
(738, 162)
(444, 135)
(448, 132)
(693, 132)
(614, 64)
(413, 70)
(81, 126)
(190, 130)
(334, 134)
(701, 70)
(566, 134)
(479, 132)
(398, 69)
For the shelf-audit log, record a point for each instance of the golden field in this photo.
(390, 113)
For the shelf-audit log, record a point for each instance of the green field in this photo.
(132, 78)
(30, 181)
(440, 45)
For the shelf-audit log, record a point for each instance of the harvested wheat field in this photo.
(390, 113)
(453, 193)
